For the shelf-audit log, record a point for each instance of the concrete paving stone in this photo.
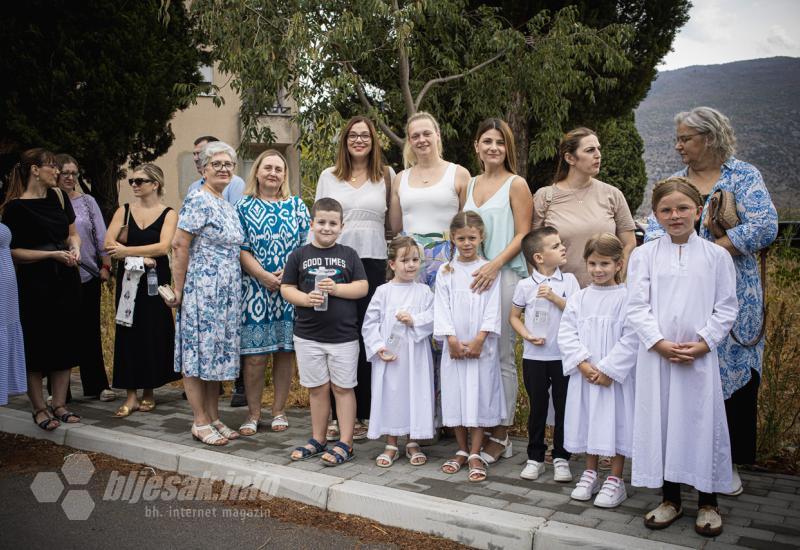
(607, 515)
(760, 544)
(749, 532)
(406, 486)
(726, 538)
(782, 529)
(786, 539)
(573, 507)
(759, 516)
(555, 535)
(785, 497)
(507, 488)
(631, 529)
(575, 519)
(713, 545)
(529, 510)
(372, 480)
(489, 502)
(475, 526)
(779, 511)
(731, 519)
(689, 541)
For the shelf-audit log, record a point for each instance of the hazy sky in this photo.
(720, 31)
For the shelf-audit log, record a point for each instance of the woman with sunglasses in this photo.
(45, 247)
(145, 333)
(92, 231)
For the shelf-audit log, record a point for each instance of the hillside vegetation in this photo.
(760, 97)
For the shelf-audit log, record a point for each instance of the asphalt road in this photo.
(116, 522)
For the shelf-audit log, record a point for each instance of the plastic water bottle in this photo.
(152, 282)
(321, 274)
(396, 338)
(541, 315)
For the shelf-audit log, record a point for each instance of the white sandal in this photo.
(213, 438)
(479, 471)
(505, 453)
(279, 423)
(416, 458)
(250, 427)
(384, 460)
(224, 430)
(455, 464)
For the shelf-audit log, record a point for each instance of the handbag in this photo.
(722, 216)
(387, 226)
(122, 236)
(722, 213)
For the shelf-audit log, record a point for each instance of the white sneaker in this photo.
(612, 494)
(738, 489)
(532, 470)
(561, 471)
(588, 486)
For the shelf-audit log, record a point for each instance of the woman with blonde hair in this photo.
(274, 224)
(145, 332)
(359, 181)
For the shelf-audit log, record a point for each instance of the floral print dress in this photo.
(209, 319)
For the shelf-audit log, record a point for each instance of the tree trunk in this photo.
(103, 178)
(519, 127)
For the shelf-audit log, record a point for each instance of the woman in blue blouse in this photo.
(706, 143)
(274, 224)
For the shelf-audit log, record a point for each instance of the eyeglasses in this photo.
(353, 138)
(70, 174)
(139, 181)
(219, 165)
(686, 138)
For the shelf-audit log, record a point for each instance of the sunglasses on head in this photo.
(138, 181)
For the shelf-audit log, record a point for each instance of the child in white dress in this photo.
(469, 322)
(682, 306)
(594, 341)
(396, 330)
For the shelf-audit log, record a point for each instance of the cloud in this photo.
(779, 40)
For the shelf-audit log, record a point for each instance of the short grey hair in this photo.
(714, 125)
(214, 148)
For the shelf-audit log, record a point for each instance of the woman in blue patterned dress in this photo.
(208, 279)
(706, 143)
(274, 224)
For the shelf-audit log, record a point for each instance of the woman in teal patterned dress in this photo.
(274, 224)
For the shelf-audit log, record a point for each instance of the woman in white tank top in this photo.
(427, 194)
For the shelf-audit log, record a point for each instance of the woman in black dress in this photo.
(46, 248)
(143, 351)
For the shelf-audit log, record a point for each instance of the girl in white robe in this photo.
(594, 342)
(396, 330)
(469, 323)
(682, 305)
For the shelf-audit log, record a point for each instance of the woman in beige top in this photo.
(579, 206)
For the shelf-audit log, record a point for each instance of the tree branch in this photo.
(362, 96)
(442, 80)
(405, 86)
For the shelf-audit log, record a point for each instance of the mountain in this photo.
(760, 97)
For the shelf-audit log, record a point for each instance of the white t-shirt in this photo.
(564, 285)
(364, 213)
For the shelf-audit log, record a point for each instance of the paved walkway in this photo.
(766, 516)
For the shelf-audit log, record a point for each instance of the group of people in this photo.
(663, 370)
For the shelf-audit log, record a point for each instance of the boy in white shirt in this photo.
(542, 297)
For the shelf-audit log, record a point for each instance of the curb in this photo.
(469, 524)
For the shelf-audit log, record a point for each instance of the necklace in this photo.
(579, 198)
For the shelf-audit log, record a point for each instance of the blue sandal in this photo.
(339, 458)
(65, 416)
(307, 453)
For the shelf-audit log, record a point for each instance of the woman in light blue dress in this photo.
(274, 224)
(706, 143)
(207, 279)
(12, 350)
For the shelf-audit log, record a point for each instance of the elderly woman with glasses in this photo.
(145, 332)
(92, 231)
(706, 143)
(208, 292)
